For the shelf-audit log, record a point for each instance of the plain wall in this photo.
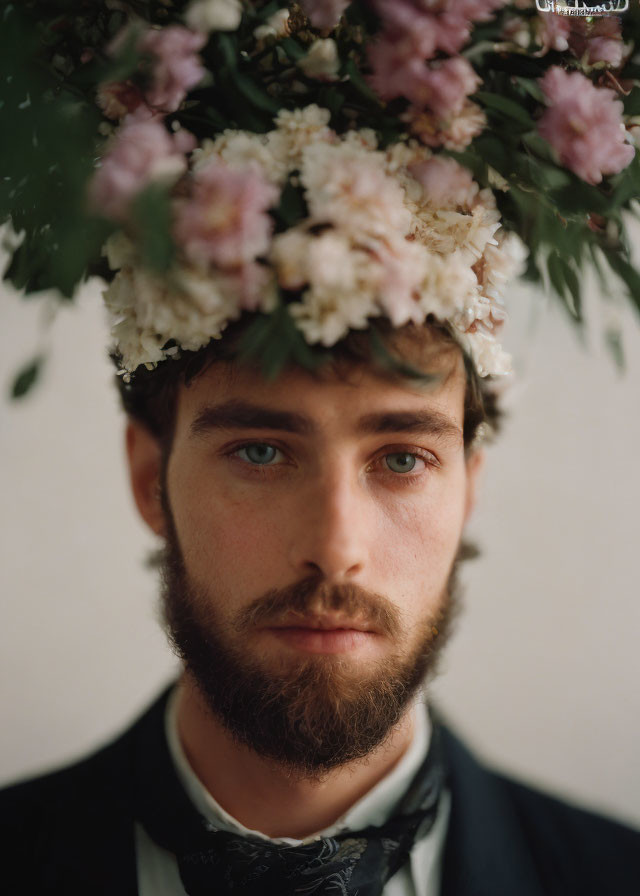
(542, 674)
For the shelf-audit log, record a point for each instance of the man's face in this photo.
(312, 527)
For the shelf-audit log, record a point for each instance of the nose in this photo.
(330, 533)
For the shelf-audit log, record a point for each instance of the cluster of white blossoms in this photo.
(399, 232)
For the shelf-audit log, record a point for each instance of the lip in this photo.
(324, 623)
(324, 639)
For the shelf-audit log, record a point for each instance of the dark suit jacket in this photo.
(71, 832)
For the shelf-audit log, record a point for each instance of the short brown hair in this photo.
(150, 396)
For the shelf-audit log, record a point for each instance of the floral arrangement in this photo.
(319, 164)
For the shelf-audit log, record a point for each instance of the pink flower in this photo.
(398, 70)
(400, 281)
(173, 69)
(176, 68)
(324, 14)
(447, 23)
(553, 31)
(398, 65)
(446, 183)
(225, 221)
(142, 151)
(446, 87)
(584, 125)
(601, 39)
(119, 98)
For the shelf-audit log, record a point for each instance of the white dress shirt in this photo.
(158, 873)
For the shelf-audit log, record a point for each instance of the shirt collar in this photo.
(371, 809)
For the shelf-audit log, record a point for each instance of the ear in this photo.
(474, 464)
(144, 455)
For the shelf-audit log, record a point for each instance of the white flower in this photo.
(503, 263)
(301, 128)
(322, 60)
(349, 187)
(148, 311)
(119, 251)
(387, 234)
(326, 316)
(487, 354)
(276, 25)
(270, 152)
(449, 285)
(214, 15)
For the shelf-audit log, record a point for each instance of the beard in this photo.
(314, 713)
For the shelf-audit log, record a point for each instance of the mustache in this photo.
(313, 597)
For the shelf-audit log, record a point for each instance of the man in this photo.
(305, 290)
(313, 524)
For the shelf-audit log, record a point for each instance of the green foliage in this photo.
(47, 153)
(274, 341)
(151, 213)
(292, 207)
(26, 378)
(51, 142)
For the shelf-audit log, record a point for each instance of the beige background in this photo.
(542, 676)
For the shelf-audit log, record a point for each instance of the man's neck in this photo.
(263, 795)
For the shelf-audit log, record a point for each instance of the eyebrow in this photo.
(245, 415)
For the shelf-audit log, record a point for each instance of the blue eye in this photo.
(401, 462)
(259, 453)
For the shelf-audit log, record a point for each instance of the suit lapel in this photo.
(485, 852)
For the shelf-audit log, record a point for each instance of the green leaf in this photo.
(627, 273)
(359, 83)
(506, 106)
(292, 207)
(151, 212)
(632, 103)
(26, 378)
(573, 284)
(395, 364)
(531, 86)
(565, 283)
(613, 341)
(293, 49)
(255, 94)
(228, 48)
(626, 184)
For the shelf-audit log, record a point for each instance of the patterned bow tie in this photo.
(213, 862)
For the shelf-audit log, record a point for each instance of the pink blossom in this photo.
(142, 151)
(176, 69)
(399, 71)
(173, 69)
(225, 221)
(446, 183)
(584, 125)
(324, 14)
(400, 281)
(398, 65)
(446, 87)
(601, 39)
(553, 31)
(119, 98)
(447, 23)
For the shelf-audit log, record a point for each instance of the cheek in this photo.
(418, 536)
(223, 530)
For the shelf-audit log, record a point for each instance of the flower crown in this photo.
(325, 163)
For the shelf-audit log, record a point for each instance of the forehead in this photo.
(334, 398)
